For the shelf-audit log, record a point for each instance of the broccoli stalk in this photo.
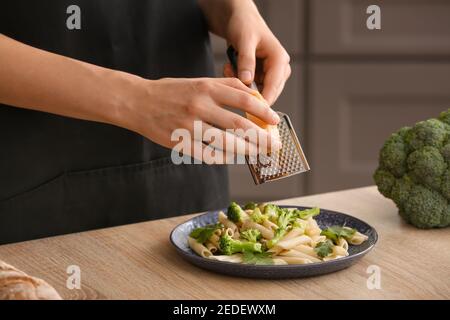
(235, 213)
(251, 235)
(229, 246)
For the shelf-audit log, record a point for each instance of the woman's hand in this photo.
(164, 105)
(261, 57)
(31, 79)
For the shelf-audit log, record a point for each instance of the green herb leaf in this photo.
(324, 248)
(202, 234)
(336, 232)
(263, 258)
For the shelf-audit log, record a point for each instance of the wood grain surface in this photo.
(138, 262)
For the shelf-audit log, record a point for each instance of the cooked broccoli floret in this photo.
(251, 235)
(307, 213)
(257, 216)
(414, 171)
(250, 206)
(271, 211)
(229, 246)
(235, 213)
(285, 218)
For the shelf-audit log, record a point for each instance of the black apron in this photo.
(61, 175)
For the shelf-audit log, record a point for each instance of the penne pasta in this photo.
(291, 238)
(293, 242)
(214, 239)
(227, 223)
(295, 253)
(306, 250)
(358, 238)
(235, 258)
(199, 248)
(265, 232)
(343, 243)
(277, 261)
(293, 234)
(339, 251)
(312, 228)
(269, 224)
(211, 247)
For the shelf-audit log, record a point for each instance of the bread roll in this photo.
(17, 285)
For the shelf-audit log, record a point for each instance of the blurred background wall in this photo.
(351, 87)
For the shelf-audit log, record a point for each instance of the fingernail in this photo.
(275, 117)
(245, 76)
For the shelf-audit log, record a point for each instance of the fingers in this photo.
(247, 102)
(227, 141)
(242, 128)
(228, 71)
(275, 75)
(287, 74)
(246, 60)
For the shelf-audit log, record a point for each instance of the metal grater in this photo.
(287, 161)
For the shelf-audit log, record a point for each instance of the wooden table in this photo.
(138, 262)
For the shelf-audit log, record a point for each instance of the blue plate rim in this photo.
(271, 266)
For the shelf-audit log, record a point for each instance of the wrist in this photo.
(126, 93)
(218, 13)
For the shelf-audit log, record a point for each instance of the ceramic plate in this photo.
(326, 218)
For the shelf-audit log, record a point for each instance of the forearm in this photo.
(218, 13)
(39, 80)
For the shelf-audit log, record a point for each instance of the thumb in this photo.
(246, 61)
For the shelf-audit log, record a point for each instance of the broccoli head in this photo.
(251, 206)
(251, 235)
(229, 246)
(235, 213)
(271, 211)
(414, 172)
(257, 216)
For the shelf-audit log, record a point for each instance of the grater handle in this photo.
(233, 57)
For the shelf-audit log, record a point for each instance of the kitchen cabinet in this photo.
(355, 107)
(408, 27)
(351, 87)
